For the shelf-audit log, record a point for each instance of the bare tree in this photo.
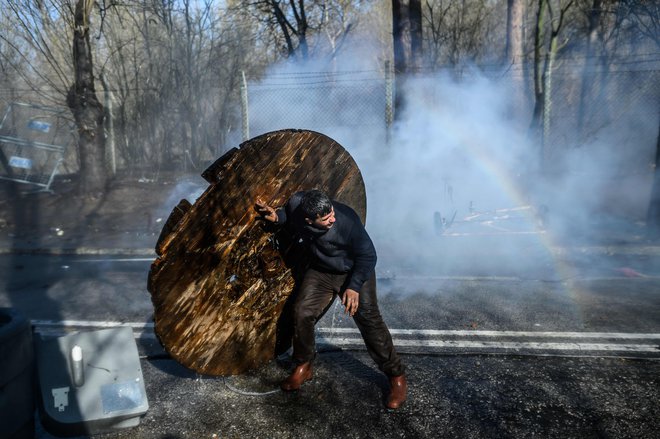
(455, 31)
(642, 17)
(299, 30)
(340, 18)
(53, 40)
(173, 69)
(11, 67)
(549, 24)
(435, 18)
(39, 35)
(291, 20)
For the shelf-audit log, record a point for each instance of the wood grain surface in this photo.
(223, 280)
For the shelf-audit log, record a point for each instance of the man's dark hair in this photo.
(315, 204)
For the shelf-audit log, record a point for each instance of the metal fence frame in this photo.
(25, 159)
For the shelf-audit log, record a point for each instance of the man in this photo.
(342, 259)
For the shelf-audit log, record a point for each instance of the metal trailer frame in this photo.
(18, 153)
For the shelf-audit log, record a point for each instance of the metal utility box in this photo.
(90, 382)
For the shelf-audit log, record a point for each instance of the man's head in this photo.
(317, 208)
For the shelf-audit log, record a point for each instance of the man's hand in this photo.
(266, 212)
(350, 300)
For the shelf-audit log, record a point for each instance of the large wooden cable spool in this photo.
(223, 276)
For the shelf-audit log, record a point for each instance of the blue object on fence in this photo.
(37, 125)
(20, 162)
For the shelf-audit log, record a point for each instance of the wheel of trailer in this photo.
(16, 376)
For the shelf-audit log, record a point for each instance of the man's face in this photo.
(323, 222)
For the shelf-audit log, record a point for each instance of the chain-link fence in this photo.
(591, 107)
(582, 107)
(339, 104)
(33, 140)
(601, 130)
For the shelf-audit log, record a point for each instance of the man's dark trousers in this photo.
(315, 295)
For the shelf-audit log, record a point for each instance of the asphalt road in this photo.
(570, 349)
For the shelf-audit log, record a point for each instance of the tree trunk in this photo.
(399, 53)
(515, 19)
(222, 284)
(544, 82)
(86, 108)
(416, 49)
(586, 82)
(514, 55)
(399, 18)
(407, 45)
(540, 60)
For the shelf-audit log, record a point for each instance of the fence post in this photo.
(547, 106)
(244, 108)
(389, 100)
(110, 125)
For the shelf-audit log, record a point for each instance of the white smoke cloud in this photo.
(458, 183)
(452, 180)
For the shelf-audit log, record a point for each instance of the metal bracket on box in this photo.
(60, 398)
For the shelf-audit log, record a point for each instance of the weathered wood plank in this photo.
(220, 285)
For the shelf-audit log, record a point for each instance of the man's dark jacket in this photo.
(345, 248)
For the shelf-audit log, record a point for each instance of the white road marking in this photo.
(117, 260)
(499, 233)
(89, 323)
(424, 332)
(496, 345)
(475, 333)
(432, 339)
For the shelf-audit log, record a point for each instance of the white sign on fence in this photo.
(20, 162)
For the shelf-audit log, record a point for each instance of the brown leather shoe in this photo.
(300, 374)
(398, 392)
